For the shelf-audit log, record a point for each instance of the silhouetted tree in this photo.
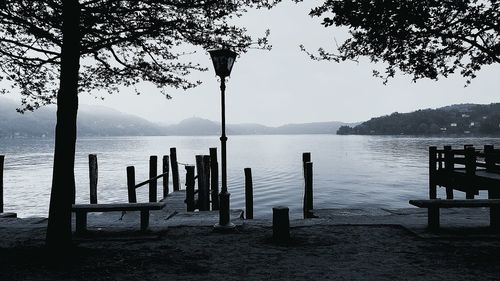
(50, 50)
(426, 39)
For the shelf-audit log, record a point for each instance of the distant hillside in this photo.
(92, 121)
(103, 121)
(199, 126)
(453, 120)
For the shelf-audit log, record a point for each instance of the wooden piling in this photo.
(165, 172)
(175, 169)
(281, 224)
(93, 176)
(248, 194)
(214, 178)
(200, 177)
(153, 183)
(448, 166)
(132, 198)
(190, 182)
(308, 190)
(2, 159)
(470, 170)
(306, 157)
(432, 172)
(206, 180)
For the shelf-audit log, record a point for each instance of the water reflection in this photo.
(349, 171)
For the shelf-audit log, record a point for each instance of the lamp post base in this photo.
(225, 224)
(229, 227)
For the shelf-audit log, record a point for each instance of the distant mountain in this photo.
(199, 126)
(453, 120)
(92, 121)
(103, 121)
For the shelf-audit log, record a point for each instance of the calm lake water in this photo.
(349, 171)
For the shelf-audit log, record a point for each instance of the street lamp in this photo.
(223, 60)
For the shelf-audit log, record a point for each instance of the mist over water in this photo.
(349, 171)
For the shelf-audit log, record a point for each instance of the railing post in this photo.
(470, 170)
(190, 202)
(2, 158)
(489, 158)
(165, 172)
(308, 192)
(93, 176)
(432, 172)
(448, 166)
(153, 183)
(175, 169)
(132, 198)
(214, 178)
(248, 194)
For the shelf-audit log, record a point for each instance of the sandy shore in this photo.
(320, 249)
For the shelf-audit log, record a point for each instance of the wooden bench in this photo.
(81, 211)
(433, 206)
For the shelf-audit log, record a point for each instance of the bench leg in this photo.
(494, 211)
(449, 193)
(81, 222)
(469, 195)
(144, 220)
(433, 218)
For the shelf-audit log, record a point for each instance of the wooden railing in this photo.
(443, 163)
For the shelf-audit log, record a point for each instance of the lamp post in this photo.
(223, 60)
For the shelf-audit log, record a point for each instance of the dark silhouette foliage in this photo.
(426, 39)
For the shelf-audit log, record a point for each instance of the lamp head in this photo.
(223, 60)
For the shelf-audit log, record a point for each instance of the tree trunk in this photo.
(63, 177)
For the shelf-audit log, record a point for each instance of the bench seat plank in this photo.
(114, 207)
(81, 211)
(454, 203)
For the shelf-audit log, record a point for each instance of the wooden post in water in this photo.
(153, 183)
(2, 158)
(93, 178)
(248, 194)
(470, 170)
(175, 169)
(432, 172)
(206, 180)
(306, 157)
(281, 224)
(201, 178)
(165, 172)
(308, 191)
(190, 202)
(203, 192)
(449, 166)
(214, 178)
(132, 198)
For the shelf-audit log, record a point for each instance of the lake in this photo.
(349, 171)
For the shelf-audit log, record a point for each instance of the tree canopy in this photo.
(427, 39)
(121, 42)
(52, 50)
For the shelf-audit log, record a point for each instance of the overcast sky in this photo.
(284, 86)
